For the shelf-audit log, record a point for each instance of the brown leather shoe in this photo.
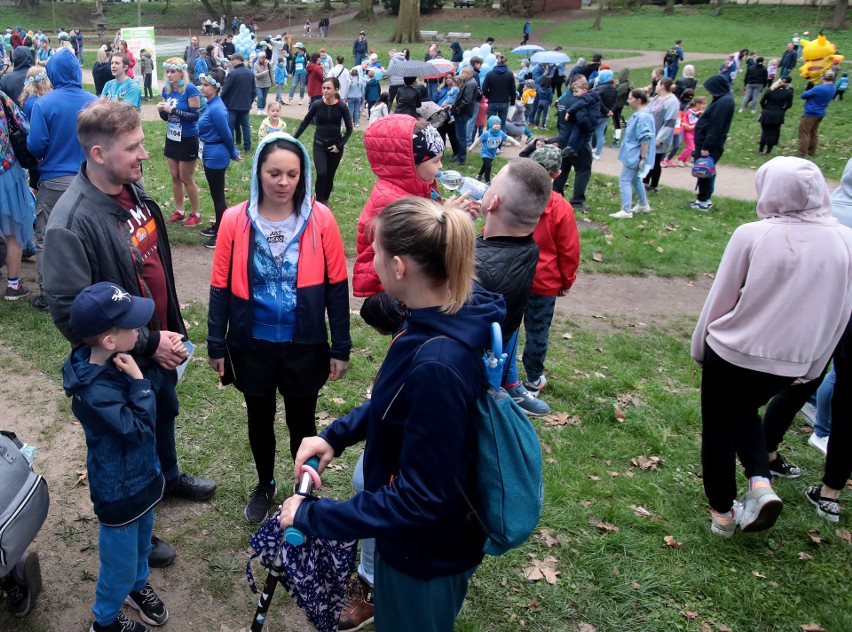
(358, 609)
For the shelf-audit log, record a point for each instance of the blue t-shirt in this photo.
(491, 142)
(181, 102)
(126, 92)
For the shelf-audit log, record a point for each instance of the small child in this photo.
(841, 86)
(528, 98)
(273, 121)
(584, 113)
(688, 120)
(281, 77)
(481, 118)
(308, 28)
(772, 69)
(372, 90)
(491, 140)
(543, 101)
(669, 159)
(379, 108)
(558, 258)
(117, 409)
(354, 95)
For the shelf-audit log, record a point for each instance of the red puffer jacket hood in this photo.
(390, 151)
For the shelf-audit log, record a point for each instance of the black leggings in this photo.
(782, 409)
(616, 118)
(326, 164)
(449, 129)
(300, 414)
(838, 462)
(653, 177)
(216, 184)
(149, 93)
(485, 170)
(769, 135)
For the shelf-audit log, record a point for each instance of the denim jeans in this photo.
(471, 125)
(822, 425)
(537, 320)
(510, 372)
(241, 118)
(499, 109)
(600, 133)
(366, 565)
(354, 110)
(627, 182)
(261, 98)
(124, 565)
(301, 81)
(462, 121)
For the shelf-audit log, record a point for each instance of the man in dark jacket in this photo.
(500, 90)
(360, 48)
(228, 47)
(238, 95)
(581, 161)
(711, 132)
(106, 228)
(463, 111)
(788, 61)
(12, 83)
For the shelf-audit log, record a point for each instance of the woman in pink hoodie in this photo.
(779, 304)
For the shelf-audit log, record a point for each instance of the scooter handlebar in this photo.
(307, 483)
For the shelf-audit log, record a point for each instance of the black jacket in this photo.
(757, 75)
(774, 104)
(13, 82)
(499, 86)
(712, 128)
(788, 60)
(467, 98)
(506, 266)
(101, 73)
(239, 90)
(608, 95)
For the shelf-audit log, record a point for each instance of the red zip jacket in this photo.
(321, 284)
(559, 248)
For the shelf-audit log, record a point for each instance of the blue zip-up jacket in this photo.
(373, 90)
(119, 416)
(215, 133)
(817, 99)
(420, 446)
(53, 121)
(281, 75)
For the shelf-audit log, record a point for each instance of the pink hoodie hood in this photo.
(788, 186)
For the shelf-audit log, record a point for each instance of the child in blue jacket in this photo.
(491, 140)
(281, 77)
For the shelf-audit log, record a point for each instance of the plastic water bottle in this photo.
(454, 181)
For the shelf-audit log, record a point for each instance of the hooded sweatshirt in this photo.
(764, 311)
(711, 131)
(391, 156)
(499, 85)
(420, 446)
(13, 83)
(458, 54)
(53, 123)
(118, 415)
(396, 81)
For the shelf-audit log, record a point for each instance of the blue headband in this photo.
(39, 77)
(168, 66)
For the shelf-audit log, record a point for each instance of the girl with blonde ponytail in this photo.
(419, 424)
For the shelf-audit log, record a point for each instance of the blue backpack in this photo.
(704, 167)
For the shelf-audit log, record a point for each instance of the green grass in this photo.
(619, 581)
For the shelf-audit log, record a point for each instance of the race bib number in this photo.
(173, 131)
(300, 67)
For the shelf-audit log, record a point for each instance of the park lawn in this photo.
(605, 518)
(835, 144)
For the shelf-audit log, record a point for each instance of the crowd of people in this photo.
(278, 317)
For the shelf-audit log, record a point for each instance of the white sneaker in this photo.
(726, 530)
(761, 508)
(641, 208)
(596, 157)
(820, 443)
(622, 214)
(740, 111)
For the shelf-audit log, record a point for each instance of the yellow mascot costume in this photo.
(820, 56)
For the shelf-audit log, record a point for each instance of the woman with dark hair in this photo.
(219, 148)
(774, 102)
(279, 267)
(329, 113)
(316, 74)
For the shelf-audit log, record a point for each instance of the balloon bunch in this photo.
(483, 52)
(244, 42)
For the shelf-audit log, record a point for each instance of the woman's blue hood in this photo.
(305, 211)
(63, 70)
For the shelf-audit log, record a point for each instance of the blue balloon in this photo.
(491, 59)
(379, 74)
(484, 50)
(476, 51)
(467, 54)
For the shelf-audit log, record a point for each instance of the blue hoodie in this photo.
(53, 122)
(420, 446)
(119, 416)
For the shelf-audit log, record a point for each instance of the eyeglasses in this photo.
(209, 79)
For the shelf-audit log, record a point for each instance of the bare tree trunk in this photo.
(326, 5)
(717, 9)
(366, 12)
(839, 19)
(596, 26)
(408, 24)
(669, 7)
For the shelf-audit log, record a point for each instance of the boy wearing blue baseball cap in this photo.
(117, 409)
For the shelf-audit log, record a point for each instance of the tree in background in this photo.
(408, 25)
(838, 21)
(366, 12)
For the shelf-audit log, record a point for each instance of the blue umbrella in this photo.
(494, 358)
(527, 49)
(550, 57)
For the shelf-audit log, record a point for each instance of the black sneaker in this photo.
(192, 488)
(14, 295)
(21, 596)
(121, 624)
(783, 468)
(828, 508)
(39, 302)
(211, 243)
(151, 610)
(162, 554)
(208, 232)
(259, 502)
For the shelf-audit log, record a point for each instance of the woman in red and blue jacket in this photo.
(279, 268)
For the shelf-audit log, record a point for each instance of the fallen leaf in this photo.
(706, 627)
(323, 414)
(549, 539)
(619, 414)
(758, 575)
(813, 534)
(82, 475)
(805, 557)
(635, 585)
(613, 474)
(646, 462)
(641, 511)
(597, 256)
(689, 614)
(774, 584)
(338, 400)
(660, 249)
(670, 541)
(587, 503)
(723, 628)
(600, 375)
(534, 604)
(592, 477)
(550, 461)
(844, 534)
(811, 627)
(587, 627)
(560, 419)
(606, 526)
(542, 569)
(567, 336)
